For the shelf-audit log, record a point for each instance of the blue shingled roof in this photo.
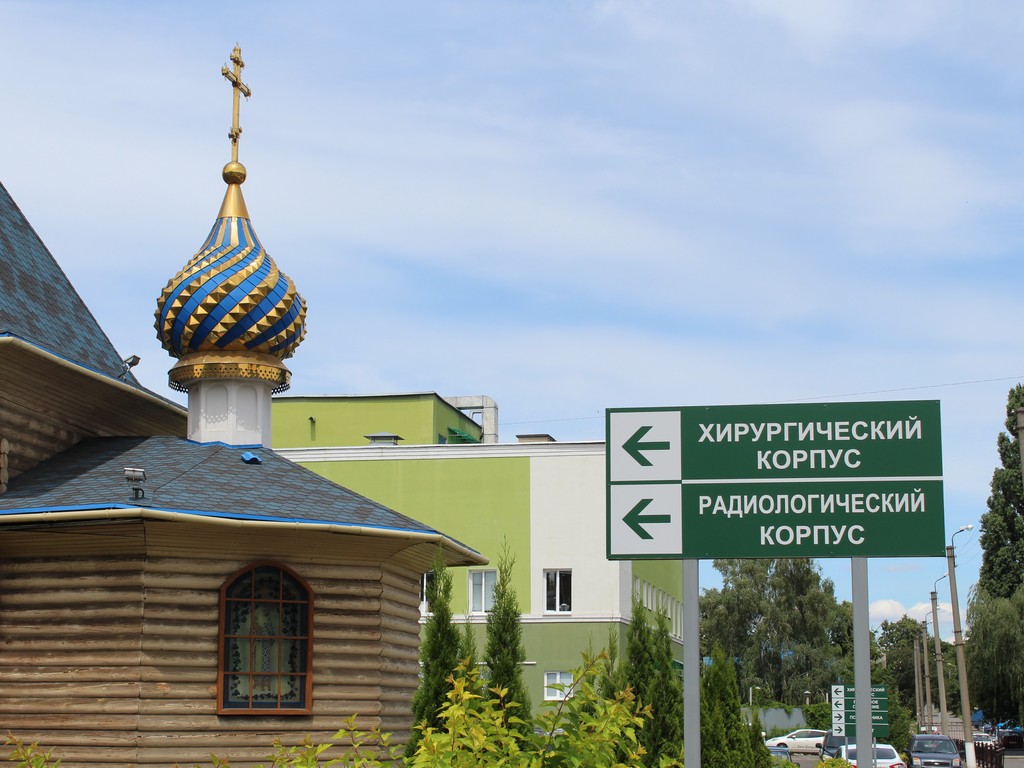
(39, 305)
(206, 480)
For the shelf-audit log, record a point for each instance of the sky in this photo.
(566, 205)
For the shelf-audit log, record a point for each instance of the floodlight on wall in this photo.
(136, 477)
(129, 363)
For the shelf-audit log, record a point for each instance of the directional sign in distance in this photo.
(844, 716)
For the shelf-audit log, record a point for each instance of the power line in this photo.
(806, 399)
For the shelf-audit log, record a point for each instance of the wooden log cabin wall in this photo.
(108, 652)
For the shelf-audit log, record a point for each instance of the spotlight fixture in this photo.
(136, 477)
(129, 363)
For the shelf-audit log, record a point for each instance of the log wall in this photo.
(108, 650)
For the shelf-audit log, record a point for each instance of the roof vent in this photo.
(536, 438)
(383, 438)
(251, 458)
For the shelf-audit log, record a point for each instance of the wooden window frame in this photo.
(222, 637)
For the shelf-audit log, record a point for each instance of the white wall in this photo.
(568, 523)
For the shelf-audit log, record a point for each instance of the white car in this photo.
(803, 740)
(886, 756)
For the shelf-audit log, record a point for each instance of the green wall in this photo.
(421, 419)
(486, 500)
(667, 575)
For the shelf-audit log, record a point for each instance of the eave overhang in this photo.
(417, 547)
(51, 403)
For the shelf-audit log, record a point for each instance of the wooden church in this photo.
(169, 586)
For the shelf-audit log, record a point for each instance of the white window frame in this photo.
(425, 579)
(481, 590)
(554, 678)
(559, 602)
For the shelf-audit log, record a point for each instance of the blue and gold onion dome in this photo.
(230, 312)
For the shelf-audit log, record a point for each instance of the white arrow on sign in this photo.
(645, 520)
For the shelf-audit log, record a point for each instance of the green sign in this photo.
(822, 480)
(844, 716)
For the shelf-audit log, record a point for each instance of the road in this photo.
(1014, 758)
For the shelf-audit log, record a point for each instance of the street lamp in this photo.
(750, 695)
(943, 718)
(958, 641)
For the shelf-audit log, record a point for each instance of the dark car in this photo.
(1009, 739)
(782, 753)
(830, 744)
(933, 750)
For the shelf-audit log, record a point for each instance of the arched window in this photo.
(266, 643)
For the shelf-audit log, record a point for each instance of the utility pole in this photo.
(927, 676)
(1020, 437)
(918, 697)
(958, 641)
(943, 717)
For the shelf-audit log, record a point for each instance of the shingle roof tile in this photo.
(200, 479)
(38, 303)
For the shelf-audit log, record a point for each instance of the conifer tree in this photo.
(664, 734)
(760, 755)
(612, 677)
(467, 646)
(725, 740)
(505, 652)
(648, 671)
(1002, 527)
(439, 652)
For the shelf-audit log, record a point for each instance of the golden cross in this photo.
(237, 86)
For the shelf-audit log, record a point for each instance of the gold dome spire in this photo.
(230, 312)
(234, 172)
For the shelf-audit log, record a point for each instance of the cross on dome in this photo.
(237, 87)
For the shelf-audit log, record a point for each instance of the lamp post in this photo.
(750, 695)
(958, 641)
(943, 718)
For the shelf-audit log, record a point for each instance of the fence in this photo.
(987, 755)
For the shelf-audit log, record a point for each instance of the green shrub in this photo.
(29, 756)
(477, 728)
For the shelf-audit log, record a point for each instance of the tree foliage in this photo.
(477, 730)
(648, 672)
(439, 651)
(995, 653)
(724, 736)
(505, 651)
(1002, 527)
(893, 666)
(760, 757)
(896, 640)
(584, 729)
(781, 621)
(467, 646)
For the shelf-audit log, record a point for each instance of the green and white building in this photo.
(439, 460)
